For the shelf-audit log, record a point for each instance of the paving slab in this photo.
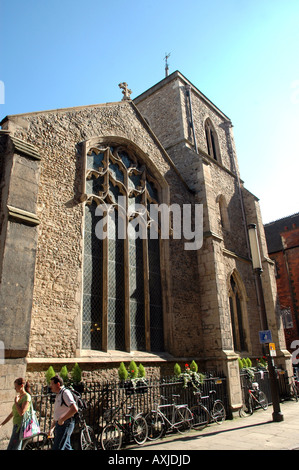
(256, 432)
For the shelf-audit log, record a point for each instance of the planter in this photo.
(141, 387)
(131, 388)
(79, 387)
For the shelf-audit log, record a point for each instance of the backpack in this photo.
(80, 403)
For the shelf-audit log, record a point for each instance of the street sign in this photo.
(265, 336)
(272, 349)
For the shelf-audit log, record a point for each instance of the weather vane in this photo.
(166, 63)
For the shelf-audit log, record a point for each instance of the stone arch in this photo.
(223, 212)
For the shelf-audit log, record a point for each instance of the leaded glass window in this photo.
(92, 283)
(122, 293)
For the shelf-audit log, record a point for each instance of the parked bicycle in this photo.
(121, 425)
(293, 385)
(87, 437)
(40, 441)
(43, 441)
(205, 414)
(255, 399)
(167, 417)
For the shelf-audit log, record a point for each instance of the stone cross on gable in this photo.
(126, 92)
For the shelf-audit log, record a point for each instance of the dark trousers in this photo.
(62, 435)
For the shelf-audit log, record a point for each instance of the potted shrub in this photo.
(49, 374)
(122, 372)
(64, 375)
(177, 370)
(141, 386)
(76, 376)
(133, 378)
(190, 377)
(130, 384)
(245, 365)
(261, 364)
(141, 371)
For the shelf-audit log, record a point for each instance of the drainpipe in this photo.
(188, 93)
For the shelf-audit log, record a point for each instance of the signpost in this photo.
(265, 336)
(272, 349)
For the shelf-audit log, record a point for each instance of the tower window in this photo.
(223, 212)
(212, 140)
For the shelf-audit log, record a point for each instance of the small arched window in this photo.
(212, 140)
(223, 212)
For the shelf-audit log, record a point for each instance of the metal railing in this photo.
(263, 379)
(100, 397)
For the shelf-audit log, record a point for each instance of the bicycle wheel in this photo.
(247, 408)
(263, 401)
(294, 393)
(218, 412)
(183, 419)
(201, 417)
(87, 439)
(111, 437)
(139, 429)
(155, 424)
(38, 442)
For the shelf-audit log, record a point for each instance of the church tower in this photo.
(199, 139)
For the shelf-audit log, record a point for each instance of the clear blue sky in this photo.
(242, 54)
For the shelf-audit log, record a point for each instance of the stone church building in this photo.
(68, 296)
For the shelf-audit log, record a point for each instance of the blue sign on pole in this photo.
(265, 336)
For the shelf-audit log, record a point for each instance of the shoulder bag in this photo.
(30, 425)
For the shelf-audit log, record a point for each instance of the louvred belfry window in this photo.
(122, 295)
(212, 140)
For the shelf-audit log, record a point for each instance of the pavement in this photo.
(255, 432)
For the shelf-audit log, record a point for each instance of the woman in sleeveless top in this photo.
(19, 408)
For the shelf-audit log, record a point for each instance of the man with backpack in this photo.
(63, 418)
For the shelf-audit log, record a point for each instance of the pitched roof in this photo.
(274, 229)
(169, 79)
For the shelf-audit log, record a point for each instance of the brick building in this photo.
(283, 246)
(66, 296)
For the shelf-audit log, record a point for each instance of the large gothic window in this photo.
(122, 296)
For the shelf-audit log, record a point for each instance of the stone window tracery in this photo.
(122, 293)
